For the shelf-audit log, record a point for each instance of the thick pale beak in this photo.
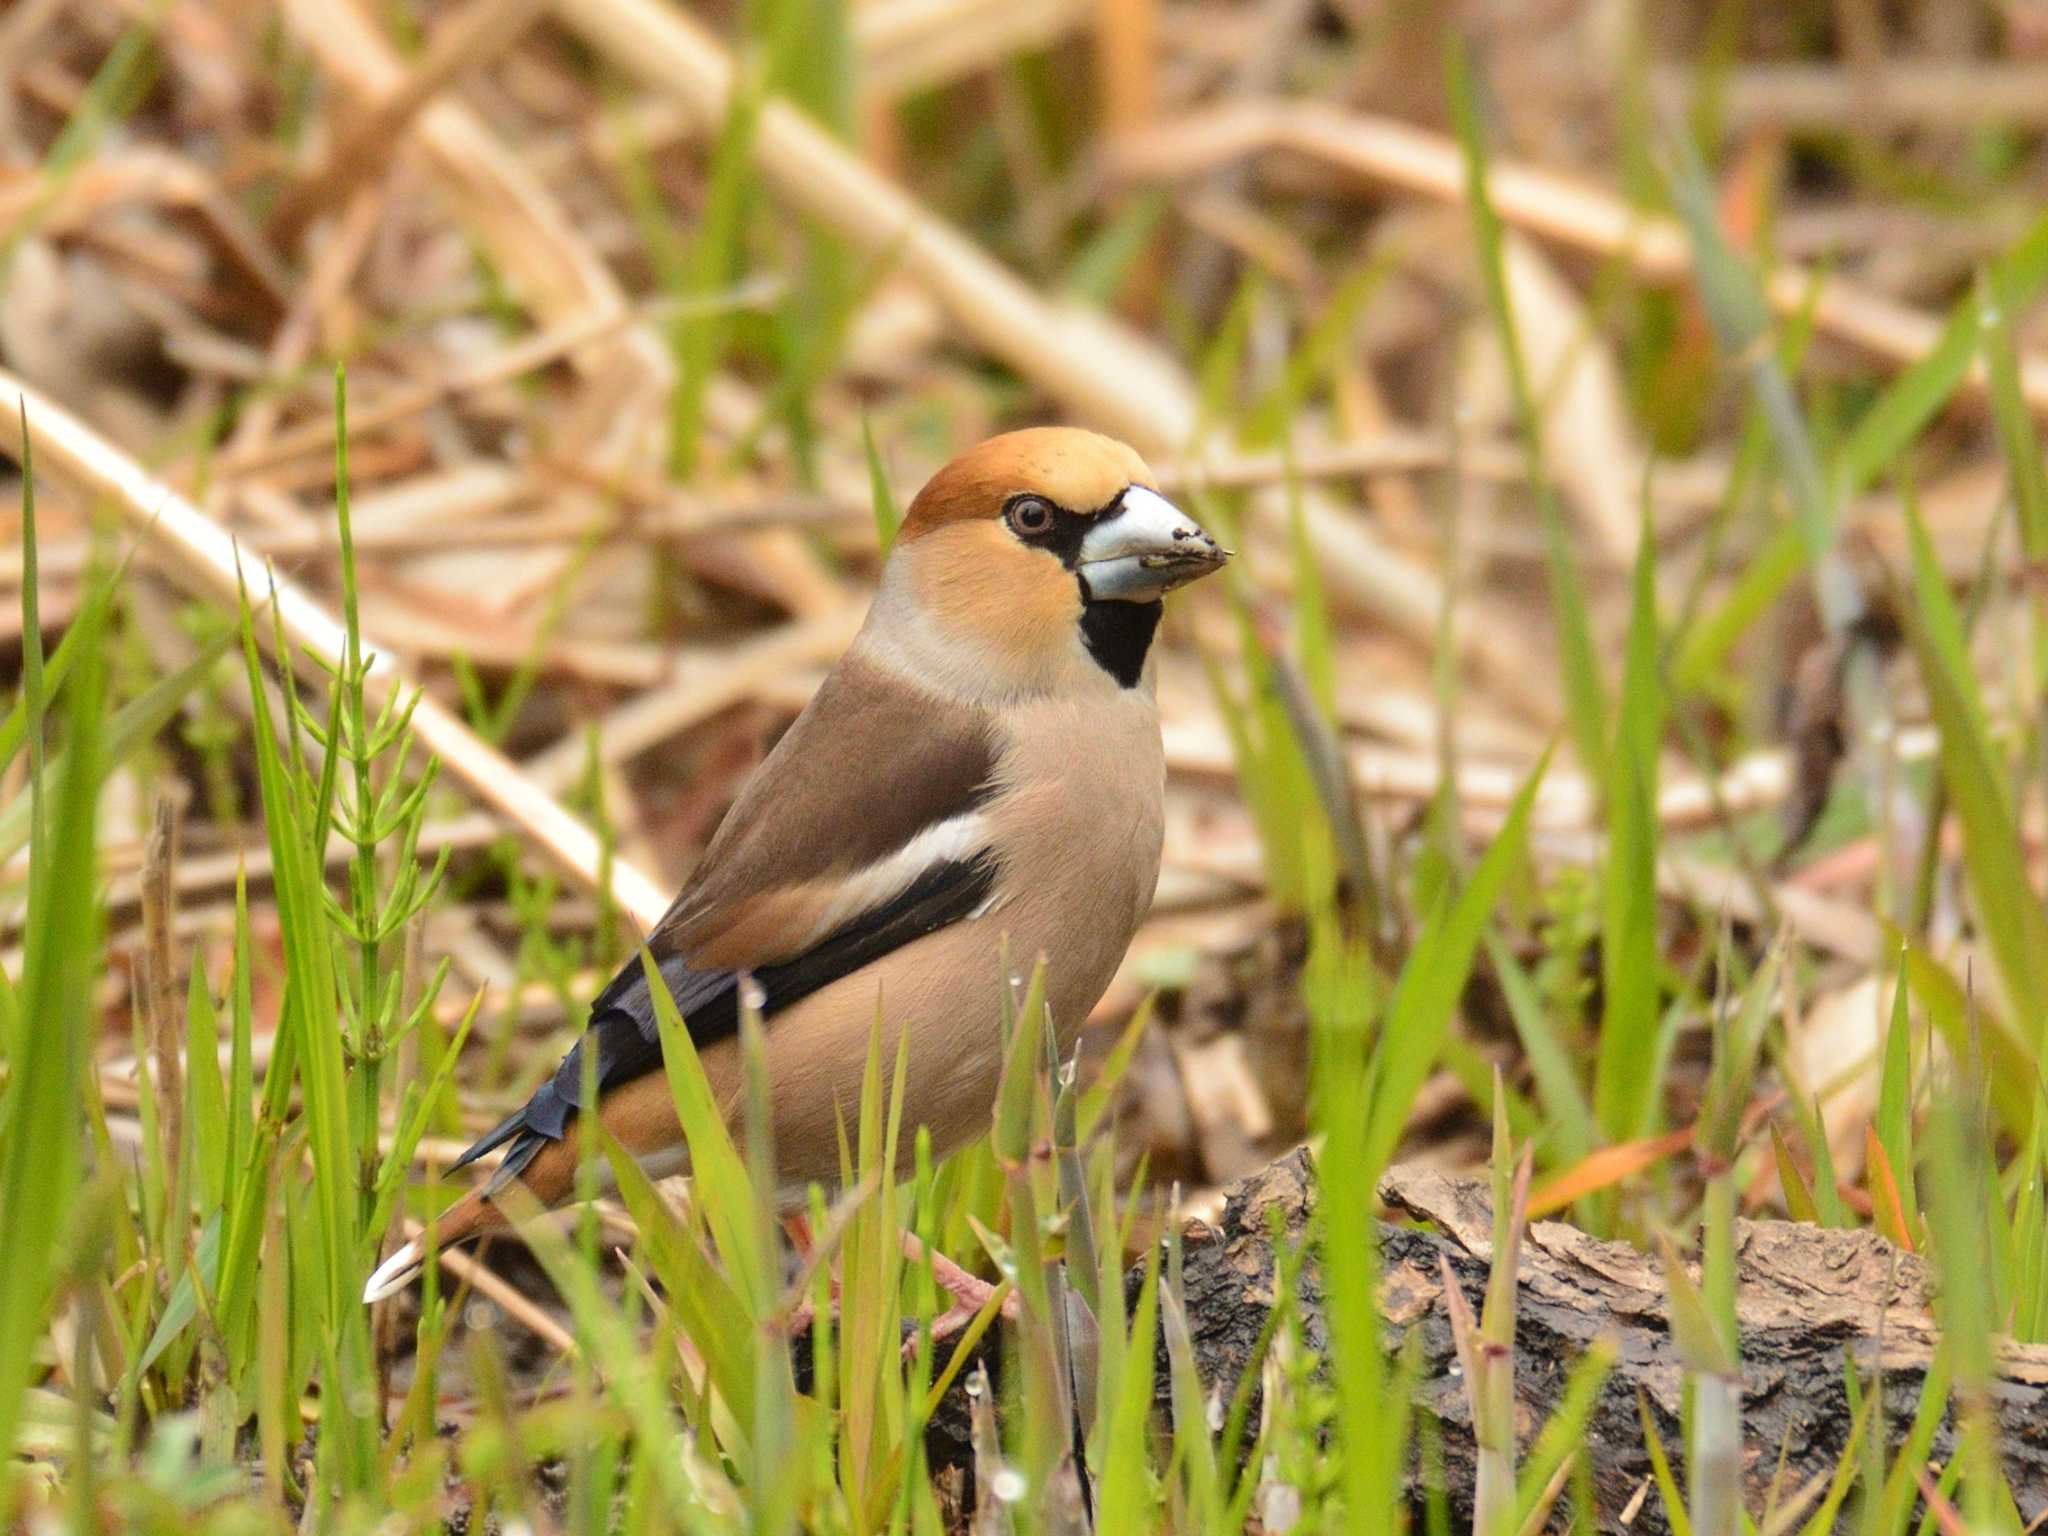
(1146, 549)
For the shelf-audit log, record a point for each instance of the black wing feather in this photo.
(627, 1039)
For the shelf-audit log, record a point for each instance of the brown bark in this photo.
(1809, 1300)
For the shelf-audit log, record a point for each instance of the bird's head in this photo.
(1042, 555)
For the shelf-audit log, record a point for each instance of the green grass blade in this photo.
(40, 1147)
(1895, 1101)
(888, 516)
(116, 88)
(1969, 1029)
(1958, 1156)
(1571, 1132)
(1741, 321)
(130, 728)
(1890, 425)
(1994, 865)
(1127, 1501)
(719, 1175)
(1625, 1098)
(1585, 691)
(207, 1108)
(2030, 1235)
(1564, 1433)
(1426, 995)
(710, 1311)
(35, 698)
(1098, 270)
(309, 1046)
(1660, 1466)
(632, 1382)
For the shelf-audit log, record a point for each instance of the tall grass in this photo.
(48, 1011)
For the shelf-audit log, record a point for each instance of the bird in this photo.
(978, 781)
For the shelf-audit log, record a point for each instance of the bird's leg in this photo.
(970, 1293)
(969, 1290)
(797, 1228)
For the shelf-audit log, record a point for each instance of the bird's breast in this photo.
(1076, 824)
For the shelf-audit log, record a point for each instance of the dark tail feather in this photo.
(525, 1146)
(474, 1214)
(492, 1139)
(543, 1118)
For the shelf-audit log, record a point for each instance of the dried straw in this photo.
(204, 559)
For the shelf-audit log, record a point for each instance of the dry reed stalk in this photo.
(1589, 444)
(1261, 68)
(1102, 372)
(423, 630)
(1126, 58)
(1686, 802)
(505, 207)
(558, 273)
(479, 33)
(1127, 61)
(204, 559)
(1234, 225)
(67, 558)
(491, 192)
(1934, 93)
(152, 177)
(401, 401)
(291, 346)
(661, 514)
(198, 875)
(19, 29)
(1543, 202)
(160, 988)
(918, 45)
(514, 1303)
(702, 691)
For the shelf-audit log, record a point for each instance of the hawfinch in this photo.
(980, 776)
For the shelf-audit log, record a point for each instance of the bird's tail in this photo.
(545, 1164)
(540, 1145)
(473, 1216)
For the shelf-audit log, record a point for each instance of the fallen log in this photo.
(1810, 1301)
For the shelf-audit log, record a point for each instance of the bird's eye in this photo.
(1031, 515)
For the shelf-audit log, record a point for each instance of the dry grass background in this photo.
(614, 363)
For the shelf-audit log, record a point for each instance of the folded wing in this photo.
(862, 831)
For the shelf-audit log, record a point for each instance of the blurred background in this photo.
(1653, 386)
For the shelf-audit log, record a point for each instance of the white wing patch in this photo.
(954, 839)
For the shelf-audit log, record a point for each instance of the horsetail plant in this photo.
(1486, 1347)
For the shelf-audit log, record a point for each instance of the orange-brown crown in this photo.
(1077, 470)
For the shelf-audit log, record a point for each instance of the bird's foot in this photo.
(970, 1293)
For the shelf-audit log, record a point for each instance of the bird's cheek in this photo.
(1017, 614)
